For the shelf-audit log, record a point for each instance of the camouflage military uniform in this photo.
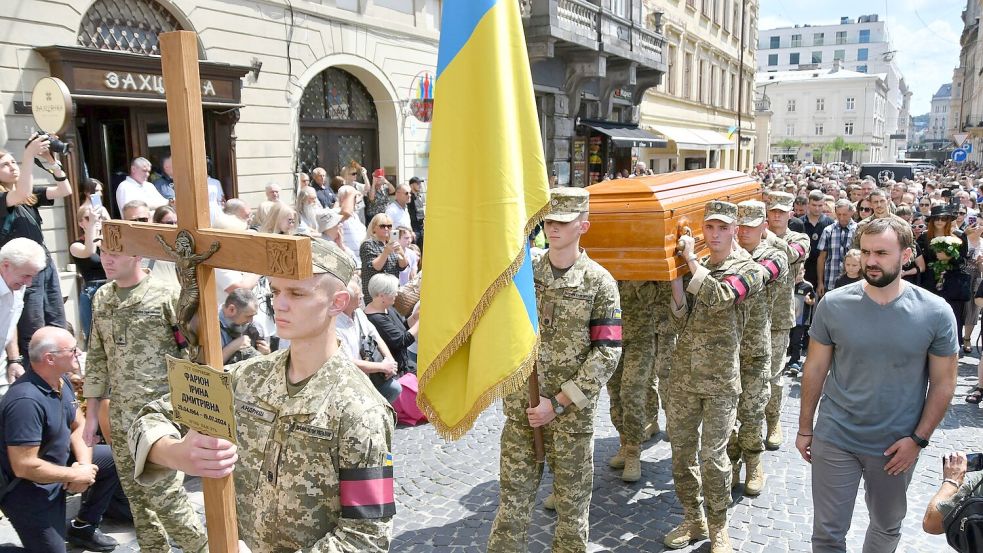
(630, 384)
(665, 342)
(580, 328)
(795, 246)
(704, 383)
(125, 364)
(315, 470)
(756, 356)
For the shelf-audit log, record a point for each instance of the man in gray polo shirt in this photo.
(883, 357)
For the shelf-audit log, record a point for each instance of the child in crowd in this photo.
(805, 298)
(851, 269)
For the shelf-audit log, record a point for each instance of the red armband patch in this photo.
(366, 492)
(739, 285)
(772, 268)
(798, 248)
(605, 332)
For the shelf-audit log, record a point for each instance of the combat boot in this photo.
(618, 461)
(686, 533)
(755, 475)
(773, 440)
(549, 503)
(632, 462)
(720, 541)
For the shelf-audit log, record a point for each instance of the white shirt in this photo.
(400, 215)
(223, 279)
(215, 197)
(130, 190)
(348, 329)
(353, 234)
(11, 306)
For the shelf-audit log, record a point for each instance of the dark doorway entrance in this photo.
(111, 136)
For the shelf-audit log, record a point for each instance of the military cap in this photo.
(720, 211)
(750, 213)
(567, 203)
(329, 258)
(780, 200)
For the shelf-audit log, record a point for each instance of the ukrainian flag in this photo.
(487, 190)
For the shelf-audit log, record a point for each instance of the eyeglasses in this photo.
(291, 220)
(920, 226)
(385, 226)
(74, 350)
(925, 204)
(863, 209)
(962, 212)
(141, 219)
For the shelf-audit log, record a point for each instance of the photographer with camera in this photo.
(19, 203)
(961, 483)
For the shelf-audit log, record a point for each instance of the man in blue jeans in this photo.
(44, 456)
(883, 357)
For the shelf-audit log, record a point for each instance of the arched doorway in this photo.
(338, 123)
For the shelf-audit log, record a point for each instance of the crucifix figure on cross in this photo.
(314, 452)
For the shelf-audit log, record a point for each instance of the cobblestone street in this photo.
(447, 493)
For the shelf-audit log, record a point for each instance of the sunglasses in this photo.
(385, 226)
(862, 209)
(920, 225)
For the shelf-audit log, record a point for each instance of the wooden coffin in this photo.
(636, 222)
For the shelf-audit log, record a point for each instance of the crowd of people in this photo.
(829, 264)
(128, 315)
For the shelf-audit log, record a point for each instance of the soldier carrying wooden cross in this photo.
(313, 462)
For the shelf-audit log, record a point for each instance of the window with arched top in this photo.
(126, 26)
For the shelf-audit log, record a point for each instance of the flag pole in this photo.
(537, 433)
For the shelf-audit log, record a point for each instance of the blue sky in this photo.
(925, 34)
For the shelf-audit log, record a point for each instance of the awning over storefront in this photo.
(694, 139)
(627, 136)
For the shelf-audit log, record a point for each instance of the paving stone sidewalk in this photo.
(447, 492)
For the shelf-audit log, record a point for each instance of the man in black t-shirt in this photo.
(813, 223)
(41, 444)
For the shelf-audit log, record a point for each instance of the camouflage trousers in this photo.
(779, 347)
(709, 474)
(571, 458)
(630, 385)
(665, 344)
(755, 392)
(161, 510)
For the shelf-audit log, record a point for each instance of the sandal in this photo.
(967, 345)
(975, 396)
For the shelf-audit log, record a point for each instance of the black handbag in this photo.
(368, 350)
(964, 525)
(956, 286)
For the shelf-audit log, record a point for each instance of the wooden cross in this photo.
(264, 254)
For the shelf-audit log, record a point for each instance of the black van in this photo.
(887, 171)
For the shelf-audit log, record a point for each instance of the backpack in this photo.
(964, 525)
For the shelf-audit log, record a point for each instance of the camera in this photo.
(55, 145)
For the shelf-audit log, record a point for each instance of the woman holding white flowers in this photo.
(946, 251)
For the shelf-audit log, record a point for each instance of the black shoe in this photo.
(90, 537)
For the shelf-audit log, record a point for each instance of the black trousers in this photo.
(40, 521)
(797, 336)
(43, 306)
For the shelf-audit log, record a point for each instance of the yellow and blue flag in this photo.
(487, 190)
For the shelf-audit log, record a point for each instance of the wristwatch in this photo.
(558, 407)
(921, 442)
(19, 360)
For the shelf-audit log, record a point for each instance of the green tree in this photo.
(833, 149)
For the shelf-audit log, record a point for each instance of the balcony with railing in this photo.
(581, 26)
